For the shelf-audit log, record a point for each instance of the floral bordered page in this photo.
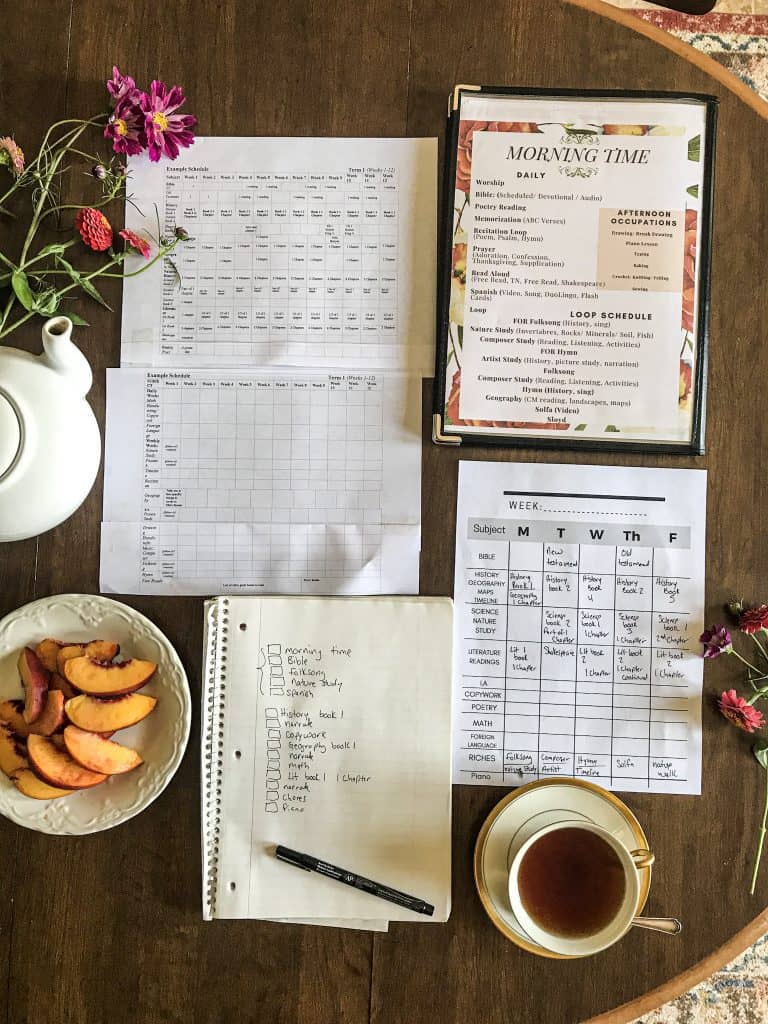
(459, 255)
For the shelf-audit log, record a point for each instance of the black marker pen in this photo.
(303, 860)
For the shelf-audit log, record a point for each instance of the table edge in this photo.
(758, 926)
(677, 46)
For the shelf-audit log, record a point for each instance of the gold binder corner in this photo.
(437, 432)
(453, 99)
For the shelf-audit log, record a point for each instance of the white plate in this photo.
(532, 807)
(160, 739)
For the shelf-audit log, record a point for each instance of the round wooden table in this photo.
(109, 928)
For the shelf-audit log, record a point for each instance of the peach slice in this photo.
(99, 755)
(29, 784)
(12, 713)
(35, 677)
(66, 653)
(108, 714)
(101, 650)
(100, 680)
(47, 651)
(57, 767)
(60, 683)
(12, 756)
(51, 718)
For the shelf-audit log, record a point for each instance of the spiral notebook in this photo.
(326, 728)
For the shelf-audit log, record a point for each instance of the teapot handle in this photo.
(63, 356)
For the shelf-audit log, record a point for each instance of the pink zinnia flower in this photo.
(11, 155)
(716, 640)
(739, 712)
(754, 620)
(136, 242)
(95, 230)
(166, 132)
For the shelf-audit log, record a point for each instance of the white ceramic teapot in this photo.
(50, 447)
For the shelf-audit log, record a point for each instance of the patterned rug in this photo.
(735, 34)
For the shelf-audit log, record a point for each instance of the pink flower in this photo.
(11, 155)
(136, 242)
(739, 712)
(120, 86)
(754, 620)
(126, 125)
(166, 131)
(95, 230)
(716, 640)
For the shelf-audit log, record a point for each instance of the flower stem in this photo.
(749, 664)
(760, 646)
(760, 840)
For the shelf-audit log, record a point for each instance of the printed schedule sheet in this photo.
(579, 600)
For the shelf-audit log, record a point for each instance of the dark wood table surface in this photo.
(108, 927)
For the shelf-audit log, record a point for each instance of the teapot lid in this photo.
(10, 435)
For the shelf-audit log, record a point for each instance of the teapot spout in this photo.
(63, 356)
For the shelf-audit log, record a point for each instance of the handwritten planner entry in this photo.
(579, 597)
(344, 752)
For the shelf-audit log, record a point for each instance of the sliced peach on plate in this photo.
(12, 713)
(108, 714)
(35, 677)
(56, 766)
(98, 754)
(67, 652)
(12, 755)
(100, 680)
(29, 784)
(47, 651)
(50, 719)
(101, 650)
(60, 683)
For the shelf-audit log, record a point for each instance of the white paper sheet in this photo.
(335, 742)
(235, 482)
(579, 597)
(304, 252)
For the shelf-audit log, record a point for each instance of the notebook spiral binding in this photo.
(214, 701)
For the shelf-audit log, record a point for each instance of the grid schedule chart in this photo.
(261, 482)
(302, 252)
(579, 603)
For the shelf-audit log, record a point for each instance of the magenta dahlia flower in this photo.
(166, 132)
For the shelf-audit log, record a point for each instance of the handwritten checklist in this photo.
(579, 602)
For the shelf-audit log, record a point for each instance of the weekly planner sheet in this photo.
(579, 600)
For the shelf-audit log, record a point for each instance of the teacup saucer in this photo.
(523, 812)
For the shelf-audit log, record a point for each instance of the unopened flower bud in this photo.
(182, 234)
(99, 171)
(735, 608)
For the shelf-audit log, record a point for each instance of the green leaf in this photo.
(91, 290)
(23, 292)
(612, 430)
(87, 286)
(55, 248)
(693, 191)
(760, 750)
(76, 320)
(580, 426)
(460, 334)
(694, 148)
(47, 302)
